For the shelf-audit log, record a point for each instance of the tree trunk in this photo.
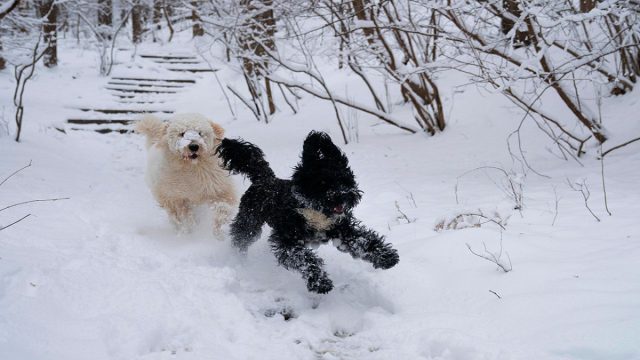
(198, 30)
(105, 11)
(3, 62)
(360, 11)
(507, 23)
(49, 11)
(136, 23)
(7, 10)
(587, 5)
(157, 13)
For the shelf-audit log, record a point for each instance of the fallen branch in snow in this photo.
(495, 293)
(493, 257)
(31, 201)
(389, 119)
(15, 172)
(471, 219)
(15, 222)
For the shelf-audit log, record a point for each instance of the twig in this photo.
(15, 172)
(495, 293)
(513, 191)
(555, 216)
(15, 222)
(403, 215)
(619, 146)
(584, 190)
(493, 258)
(604, 187)
(245, 102)
(31, 201)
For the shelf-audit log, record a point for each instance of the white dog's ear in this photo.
(218, 131)
(152, 127)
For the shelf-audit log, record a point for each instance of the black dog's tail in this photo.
(241, 157)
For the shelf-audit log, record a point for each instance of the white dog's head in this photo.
(188, 136)
(192, 136)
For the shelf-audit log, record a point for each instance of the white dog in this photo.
(183, 171)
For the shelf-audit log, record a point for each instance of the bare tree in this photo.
(587, 5)
(105, 18)
(23, 74)
(137, 25)
(4, 11)
(198, 30)
(48, 9)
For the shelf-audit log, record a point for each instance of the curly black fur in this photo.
(323, 183)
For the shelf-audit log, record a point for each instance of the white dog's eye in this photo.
(181, 134)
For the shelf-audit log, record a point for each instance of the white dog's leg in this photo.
(222, 215)
(181, 215)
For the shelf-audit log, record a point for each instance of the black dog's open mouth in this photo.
(339, 209)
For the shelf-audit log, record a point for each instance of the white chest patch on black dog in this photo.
(316, 219)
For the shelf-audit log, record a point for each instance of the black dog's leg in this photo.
(246, 227)
(303, 260)
(363, 243)
(245, 230)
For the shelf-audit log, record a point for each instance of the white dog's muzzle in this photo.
(190, 145)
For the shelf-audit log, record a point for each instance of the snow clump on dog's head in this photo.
(193, 135)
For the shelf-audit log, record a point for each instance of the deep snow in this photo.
(103, 275)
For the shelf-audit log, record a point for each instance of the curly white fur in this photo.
(182, 170)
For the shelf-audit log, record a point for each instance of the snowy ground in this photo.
(103, 275)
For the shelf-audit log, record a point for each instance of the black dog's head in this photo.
(323, 177)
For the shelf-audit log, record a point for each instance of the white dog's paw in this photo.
(222, 215)
(184, 225)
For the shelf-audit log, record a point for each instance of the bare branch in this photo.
(15, 172)
(31, 201)
(15, 222)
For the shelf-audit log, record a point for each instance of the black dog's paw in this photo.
(385, 259)
(320, 285)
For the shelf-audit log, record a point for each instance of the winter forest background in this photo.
(496, 142)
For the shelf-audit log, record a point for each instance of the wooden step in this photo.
(192, 70)
(188, 62)
(102, 129)
(140, 91)
(145, 84)
(188, 81)
(168, 57)
(141, 102)
(100, 121)
(125, 111)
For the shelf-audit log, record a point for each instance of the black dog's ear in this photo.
(318, 146)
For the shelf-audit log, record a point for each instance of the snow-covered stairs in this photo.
(148, 85)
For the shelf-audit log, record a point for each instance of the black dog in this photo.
(313, 207)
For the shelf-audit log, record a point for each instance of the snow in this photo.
(103, 275)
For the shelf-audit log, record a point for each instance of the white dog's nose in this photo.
(194, 147)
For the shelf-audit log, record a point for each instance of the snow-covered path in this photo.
(103, 275)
